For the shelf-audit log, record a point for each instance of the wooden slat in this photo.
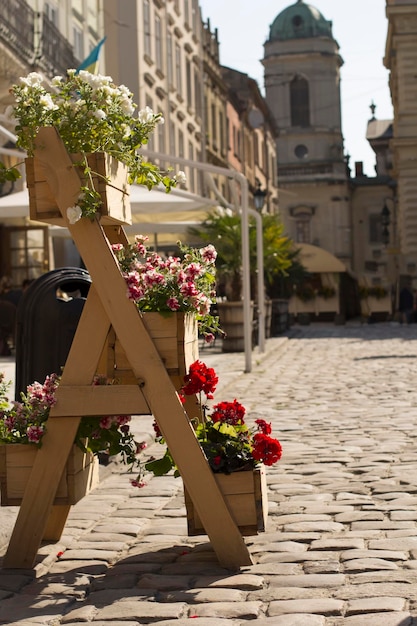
(100, 400)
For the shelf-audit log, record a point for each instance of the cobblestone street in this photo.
(341, 543)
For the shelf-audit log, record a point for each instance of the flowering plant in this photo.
(25, 422)
(91, 114)
(228, 443)
(184, 284)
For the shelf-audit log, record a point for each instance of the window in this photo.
(147, 28)
(158, 43)
(189, 83)
(213, 125)
(178, 76)
(375, 228)
(170, 71)
(299, 102)
(28, 250)
(302, 229)
(78, 38)
(180, 144)
(161, 134)
(51, 11)
(186, 12)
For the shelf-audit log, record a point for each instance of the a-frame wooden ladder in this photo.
(153, 392)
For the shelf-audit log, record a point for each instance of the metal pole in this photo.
(242, 181)
(260, 278)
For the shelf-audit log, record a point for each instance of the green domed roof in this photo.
(299, 21)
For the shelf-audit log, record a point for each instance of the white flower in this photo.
(99, 114)
(47, 102)
(34, 79)
(146, 115)
(74, 214)
(181, 178)
(57, 81)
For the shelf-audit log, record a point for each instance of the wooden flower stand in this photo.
(145, 387)
(246, 496)
(80, 474)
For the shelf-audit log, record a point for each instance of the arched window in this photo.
(299, 102)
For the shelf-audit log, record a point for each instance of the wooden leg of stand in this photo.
(56, 522)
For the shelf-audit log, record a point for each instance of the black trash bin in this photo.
(47, 318)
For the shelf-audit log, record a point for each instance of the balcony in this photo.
(56, 53)
(50, 52)
(17, 29)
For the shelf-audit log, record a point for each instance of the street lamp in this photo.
(385, 221)
(259, 196)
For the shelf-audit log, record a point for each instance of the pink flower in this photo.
(173, 304)
(209, 253)
(188, 290)
(117, 247)
(35, 433)
(193, 270)
(209, 338)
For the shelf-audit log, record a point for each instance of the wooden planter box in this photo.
(246, 496)
(176, 338)
(109, 178)
(16, 462)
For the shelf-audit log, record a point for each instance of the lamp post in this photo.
(388, 237)
(259, 196)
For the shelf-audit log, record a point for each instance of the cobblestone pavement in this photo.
(341, 543)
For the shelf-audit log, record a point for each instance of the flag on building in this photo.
(90, 64)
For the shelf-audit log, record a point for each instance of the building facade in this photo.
(302, 85)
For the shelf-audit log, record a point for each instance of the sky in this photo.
(359, 27)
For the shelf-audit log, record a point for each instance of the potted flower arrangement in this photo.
(92, 116)
(236, 452)
(23, 425)
(177, 284)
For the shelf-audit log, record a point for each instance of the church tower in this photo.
(302, 88)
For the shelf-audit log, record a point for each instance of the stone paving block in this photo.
(196, 596)
(405, 543)
(394, 555)
(92, 568)
(397, 618)
(309, 580)
(337, 543)
(375, 605)
(323, 527)
(202, 621)
(323, 606)
(322, 567)
(85, 613)
(270, 562)
(295, 619)
(46, 609)
(245, 582)
(141, 611)
(105, 597)
(366, 564)
(243, 610)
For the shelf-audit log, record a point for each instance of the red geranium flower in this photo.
(266, 449)
(264, 427)
(229, 412)
(200, 379)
